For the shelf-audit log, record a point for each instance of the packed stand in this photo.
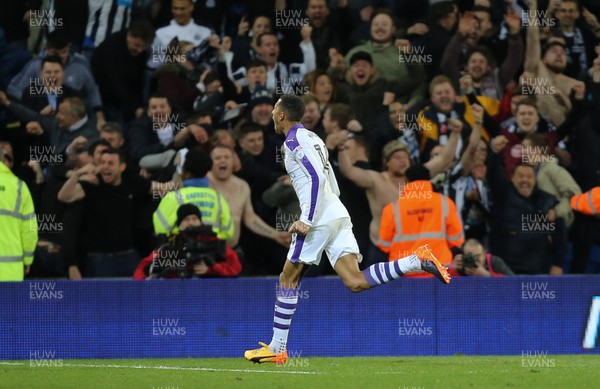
(144, 134)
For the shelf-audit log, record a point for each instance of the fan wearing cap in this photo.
(188, 216)
(549, 65)
(364, 89)
(410, 77)
(383, 187)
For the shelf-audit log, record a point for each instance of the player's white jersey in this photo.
(307, 163)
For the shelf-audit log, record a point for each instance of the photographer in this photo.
(205, 256)
(476, 262)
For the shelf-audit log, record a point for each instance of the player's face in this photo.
(222, 159)
(182, 11)
(323, 89)
(253, 143)
(311, 115)
(443, 96)
(524, 180)
(477, 66)
(278, 117)
(398, 163)
(382, 29)
(527, 118)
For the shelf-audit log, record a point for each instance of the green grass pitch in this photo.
(549, 371)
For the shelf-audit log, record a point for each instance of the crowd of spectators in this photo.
(115, 113)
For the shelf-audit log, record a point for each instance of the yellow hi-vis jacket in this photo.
(18, 226)
(213, 207)
(587, 203)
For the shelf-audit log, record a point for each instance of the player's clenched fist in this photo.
(299, 228)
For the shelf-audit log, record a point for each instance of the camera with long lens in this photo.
(194, 245)
(469, 261)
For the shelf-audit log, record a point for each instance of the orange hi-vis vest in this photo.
(420, 216)
(588, 202)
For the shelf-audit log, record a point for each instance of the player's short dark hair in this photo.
(340, 113)
(293, 106)
(57, 40)
(259, 39)
(197, 163)
(53, 59)
(96, 144)
(142, 29)
(119, 153)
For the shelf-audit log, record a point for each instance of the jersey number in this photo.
(323, 159)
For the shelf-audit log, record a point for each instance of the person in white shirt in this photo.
(324, 225)
(184, 28)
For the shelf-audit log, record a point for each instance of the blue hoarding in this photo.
(223, 317)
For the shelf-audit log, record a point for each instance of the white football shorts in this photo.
(335, 238)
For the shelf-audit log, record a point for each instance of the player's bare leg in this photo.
(384, 272)
(285, 306)
(347, 268)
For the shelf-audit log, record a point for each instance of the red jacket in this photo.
(231, 267)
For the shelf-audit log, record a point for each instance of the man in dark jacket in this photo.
(118, 66)
(525, 231)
